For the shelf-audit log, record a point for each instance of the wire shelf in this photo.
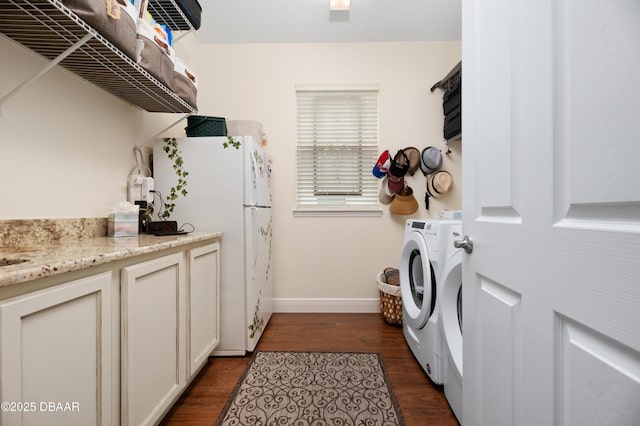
(49, 28)
(169, 13)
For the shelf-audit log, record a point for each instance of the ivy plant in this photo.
(170, 146)
(231, 142)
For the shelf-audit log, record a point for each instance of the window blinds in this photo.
(337, 145)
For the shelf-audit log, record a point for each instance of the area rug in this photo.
(314, 389)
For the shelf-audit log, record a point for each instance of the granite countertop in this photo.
(56, 256)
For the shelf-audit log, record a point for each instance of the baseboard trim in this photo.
(319, 305)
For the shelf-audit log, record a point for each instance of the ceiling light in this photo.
(339, 4)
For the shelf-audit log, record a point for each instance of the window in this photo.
(337, 145)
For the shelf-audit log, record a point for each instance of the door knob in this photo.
(465, 243)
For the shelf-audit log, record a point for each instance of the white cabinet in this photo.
(115, 347)
(153, 318)
(203, 326)
(57, 354)
(170, 325)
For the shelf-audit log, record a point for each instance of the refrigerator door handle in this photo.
(254, 177)
(254, 240)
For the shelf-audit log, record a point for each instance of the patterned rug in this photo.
(314, 389)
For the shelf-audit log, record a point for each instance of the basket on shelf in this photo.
(390, 296)
(201, 125)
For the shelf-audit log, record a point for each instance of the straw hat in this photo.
(439, 183)
(414, 159)
(404, 202)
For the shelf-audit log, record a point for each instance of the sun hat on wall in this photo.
(404, 202)
(430, 160)
(438, 184)
(414, 159)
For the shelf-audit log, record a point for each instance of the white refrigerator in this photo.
(229, 190)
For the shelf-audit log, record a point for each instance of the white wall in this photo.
(66, 146)
(333, 257)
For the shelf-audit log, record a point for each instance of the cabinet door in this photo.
(203, 329)
(56, 355)
(153, 338)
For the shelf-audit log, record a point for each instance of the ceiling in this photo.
(310, 21)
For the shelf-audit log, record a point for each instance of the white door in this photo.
(258, 273)
(551, 199)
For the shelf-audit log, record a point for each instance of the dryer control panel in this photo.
(420, 225)
(423, 226)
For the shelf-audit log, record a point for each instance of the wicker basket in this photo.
(390, 301)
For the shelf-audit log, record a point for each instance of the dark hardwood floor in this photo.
(422, 403)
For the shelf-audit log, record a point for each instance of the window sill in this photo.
(337, 213)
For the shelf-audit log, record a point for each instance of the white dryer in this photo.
(450, 290)
(421, 262)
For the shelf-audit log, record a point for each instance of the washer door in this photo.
(417, 281)
(451, 309)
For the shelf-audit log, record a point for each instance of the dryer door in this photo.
(417, 281)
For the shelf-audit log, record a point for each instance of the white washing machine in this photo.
(421, 262)
(450, 301)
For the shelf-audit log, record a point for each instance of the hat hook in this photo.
(446, 142)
